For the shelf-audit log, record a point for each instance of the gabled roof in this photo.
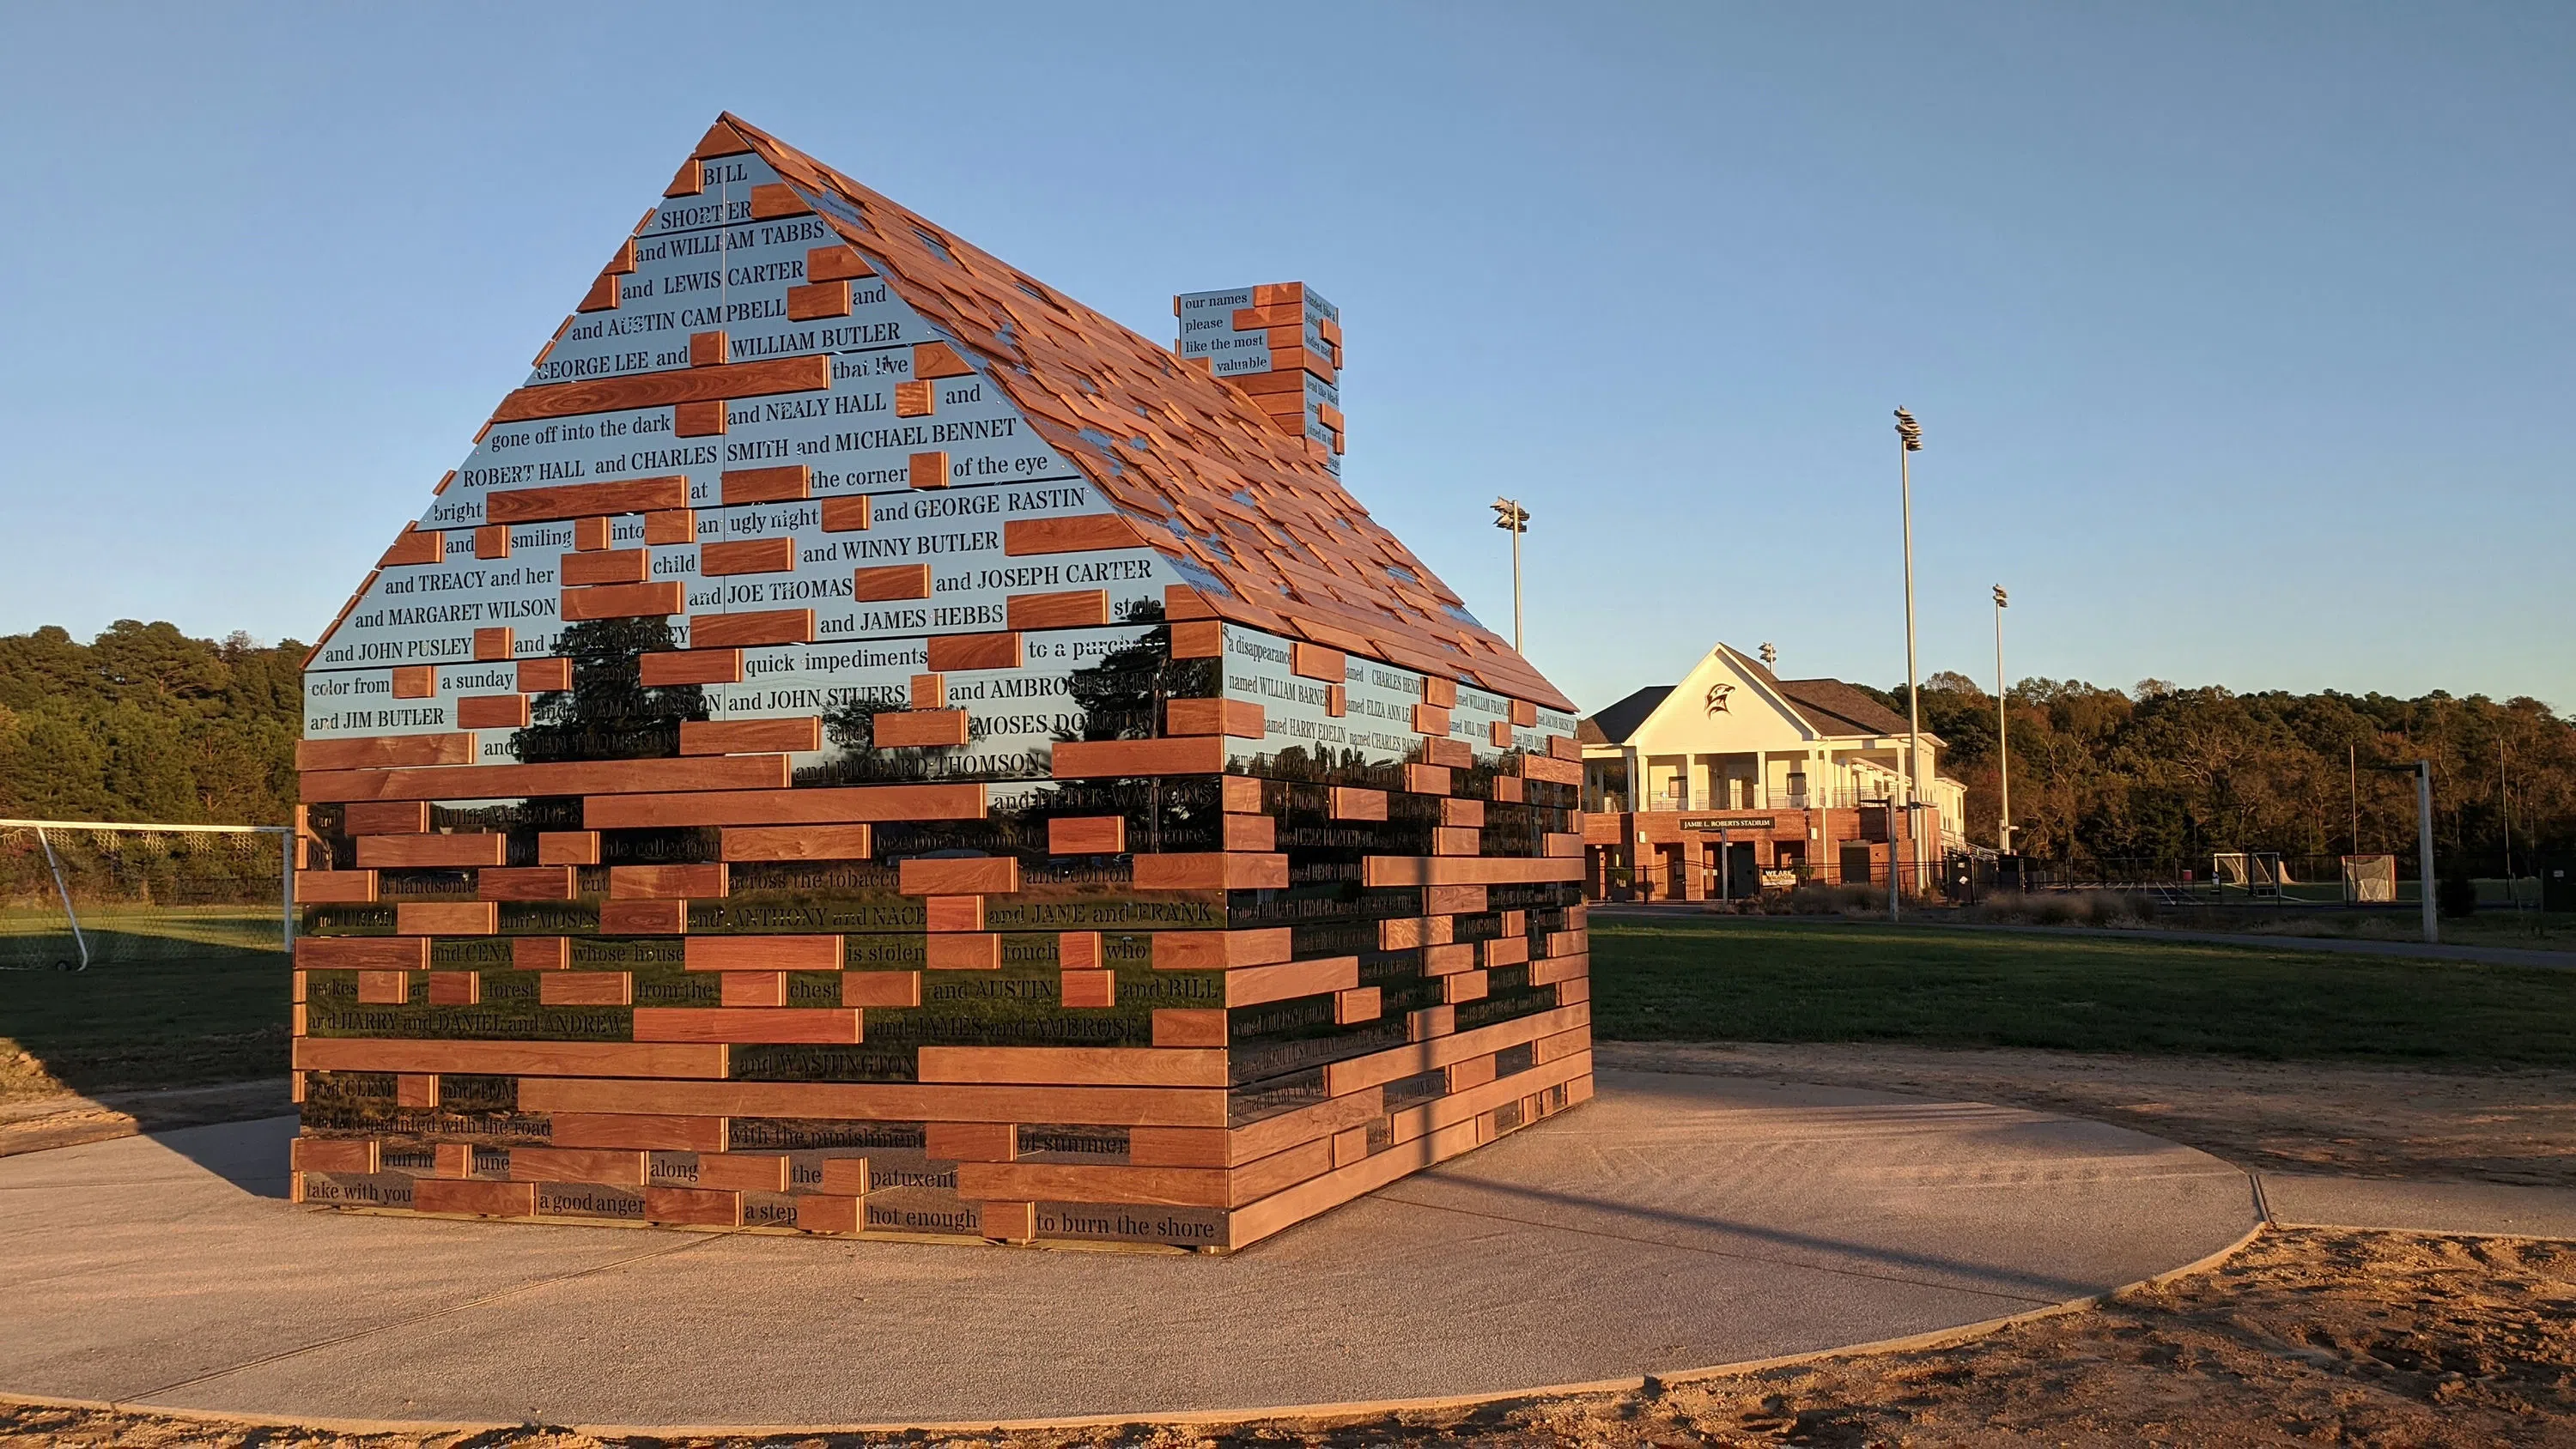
(1830, 707)
(1615, 724)
(1266, 535)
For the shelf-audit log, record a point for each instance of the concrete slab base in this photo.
(1677, 1222)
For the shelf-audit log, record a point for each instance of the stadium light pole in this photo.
(1909, 435)
(1510, 516)
(2003, 733)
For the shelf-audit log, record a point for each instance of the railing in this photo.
(1613, 802)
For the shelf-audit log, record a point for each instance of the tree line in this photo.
(2164, 773)
(144, 723)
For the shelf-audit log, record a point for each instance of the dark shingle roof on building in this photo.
(1613, 725)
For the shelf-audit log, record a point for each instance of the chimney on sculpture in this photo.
(1281, 343)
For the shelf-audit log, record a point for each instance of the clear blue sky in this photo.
(2241, 334)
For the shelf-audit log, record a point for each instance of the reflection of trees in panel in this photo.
(610, 713)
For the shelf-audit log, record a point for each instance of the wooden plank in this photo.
(661, 389)
(1273, 1135)
(833, 1212)
(378, 752)
(1078, 534)
(492, 711)
(392, 852)
(927, 470)
(1187, 1027)
(933, 360)
(848, 515)
(623, 601)
(333, 887)
(570, 777)
(1090, 759)
(764, 626)
(1074, 1066)
(762, 953)
(962, 951)
(750, 736)
(1314, 661)
(950, 653)
(568, 847)
(665, 882)
(657, 1134)
(793, 1025)
(788, 483)
(540, 953)
(508, 1058)
(664, 527)
(1279, 1171)
(539, 675)
(698, 419)
(415, 546)
(362, 953)
(470, 1196)
(850, 805)
(1176, 1147)
(334, 1154)
(609, 566)
(1242, 719)
(995, 875)
(772, 199)
(797, 842)
(815, 300)
(1420, 870)
(747, 556)
(752, 988)
(1086, 1182)
(919, 728)
(743, 1171)
(1210, 871)
(622, 1168)
(586, 500)
(1351, 1008)
(1069, 609)
(526, 883)
(692, 1207)
(384, 988)
(402, 817)
(1248, 1225)
(1195, 638)
(881, 988)
(1240, 795)
(447, 918)
(1219, 950)
(586, 988)
(691, 666)
(836, 264)
(1086, 835)
(1415, 1058)
(1253, 985)
(890, 581)
(1086, 989)
(1251, 834)
(643, 918)
(878, 1101)
(970, 1141)
(492, 541)
(492, 645)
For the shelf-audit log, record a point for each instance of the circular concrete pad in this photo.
(1675, 1222)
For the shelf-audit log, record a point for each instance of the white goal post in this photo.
(49, 834)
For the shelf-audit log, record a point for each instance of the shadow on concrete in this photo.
(249, 1155)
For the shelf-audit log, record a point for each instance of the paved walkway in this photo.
(2331, 945)
(1676, 1222)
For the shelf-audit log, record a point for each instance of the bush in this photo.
(2456, 895)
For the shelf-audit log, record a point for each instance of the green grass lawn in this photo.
(1758, 979)
(172, 998)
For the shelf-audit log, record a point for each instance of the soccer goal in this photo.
(2258, 873)
(75, 895)
(2370, 879)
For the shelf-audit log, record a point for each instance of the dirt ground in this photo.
(2500, 1125)
(33, 1124)
(2306, 1337)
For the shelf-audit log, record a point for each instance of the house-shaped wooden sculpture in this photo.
(867, 744)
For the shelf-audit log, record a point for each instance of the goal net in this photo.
(79, 896)
(2370, 879)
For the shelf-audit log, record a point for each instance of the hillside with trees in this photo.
(145, 723)
(2165, 773)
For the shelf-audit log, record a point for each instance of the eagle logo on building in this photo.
(1717, 694)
